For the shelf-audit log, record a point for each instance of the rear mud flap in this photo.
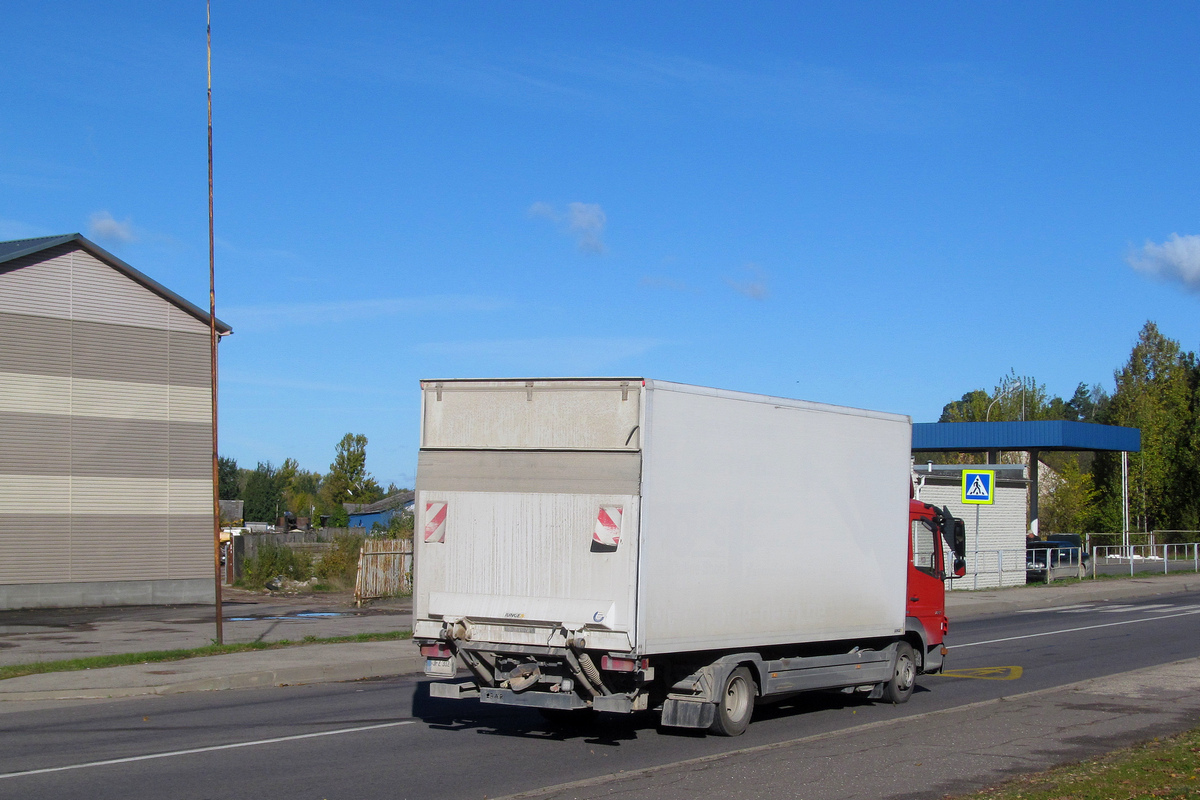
(680, 713)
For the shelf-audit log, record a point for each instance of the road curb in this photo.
(288, 676)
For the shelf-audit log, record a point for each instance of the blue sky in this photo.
(873, 204)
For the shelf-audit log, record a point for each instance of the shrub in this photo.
(338, 567)
(400, 526)
(274, 560)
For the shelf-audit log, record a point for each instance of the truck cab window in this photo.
(924, 546)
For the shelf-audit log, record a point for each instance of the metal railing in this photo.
(1066, 562)
(1172, 557)
(999, 562)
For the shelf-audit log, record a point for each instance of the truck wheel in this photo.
(735, 704)
(900, 687)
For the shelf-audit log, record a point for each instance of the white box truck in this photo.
(628, 544)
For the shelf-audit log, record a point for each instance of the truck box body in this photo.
(739, 520)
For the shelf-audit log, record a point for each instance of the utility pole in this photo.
(212, 343)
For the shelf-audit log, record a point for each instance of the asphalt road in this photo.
(388, 739)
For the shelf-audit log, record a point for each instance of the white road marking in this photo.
(1175, 608)
(1074, 630)
(211, 749)
(1137, 608)
(1056, 608)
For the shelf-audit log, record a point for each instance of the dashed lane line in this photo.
(1081, 606)
(194, 750)
(1127, 609)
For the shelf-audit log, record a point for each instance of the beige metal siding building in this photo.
(105, 432)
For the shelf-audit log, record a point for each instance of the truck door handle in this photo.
(914, 599)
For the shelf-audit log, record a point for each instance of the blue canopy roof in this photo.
(1041, 435)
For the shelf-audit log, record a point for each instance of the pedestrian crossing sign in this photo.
(978, 486)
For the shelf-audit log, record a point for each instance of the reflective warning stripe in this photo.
(608, 526)
(435, 522)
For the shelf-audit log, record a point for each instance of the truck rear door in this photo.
(527, 507)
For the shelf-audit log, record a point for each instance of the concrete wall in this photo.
(86, 594)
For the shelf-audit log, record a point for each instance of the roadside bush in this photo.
(400, 526)
(274, 560)
(338, 567)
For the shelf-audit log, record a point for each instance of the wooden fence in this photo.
(384, 569)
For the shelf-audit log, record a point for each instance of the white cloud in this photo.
(544, 210)
(755, 285)
(102, 225)
(584, 221)
(1177, 259)
(587, 222)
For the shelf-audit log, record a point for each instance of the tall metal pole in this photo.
(212, 342)
(1125, 507)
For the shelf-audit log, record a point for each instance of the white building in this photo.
(995, 533)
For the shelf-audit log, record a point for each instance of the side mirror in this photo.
(956, 532)
(959, 543)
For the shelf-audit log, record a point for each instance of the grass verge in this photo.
(156, 656)
(1166, 768)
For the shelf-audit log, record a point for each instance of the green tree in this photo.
(264, 494)
(1015, 397)
(1155, 392)
(228, 479)
(348, 480)
(970, 408)
(302, 495)
(1069, 505)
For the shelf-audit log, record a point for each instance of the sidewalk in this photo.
(315, 663)
(71, 633)
(54, 634)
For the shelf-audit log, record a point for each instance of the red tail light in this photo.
(436, 650)
(618, 664)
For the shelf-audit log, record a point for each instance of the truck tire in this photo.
(904, 677)
(735, 705)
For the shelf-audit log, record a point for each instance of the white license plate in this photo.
(441, 667)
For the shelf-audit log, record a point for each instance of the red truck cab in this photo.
(936, 551)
